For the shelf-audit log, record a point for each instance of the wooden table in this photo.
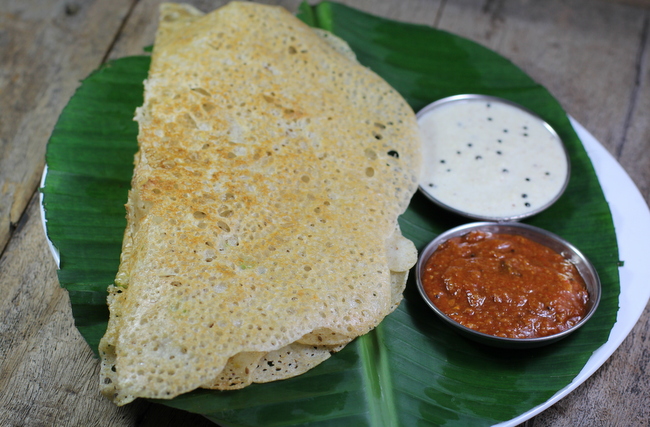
(592, 55)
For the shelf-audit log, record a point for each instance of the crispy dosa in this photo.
(262, 228)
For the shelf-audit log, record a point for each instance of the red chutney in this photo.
(505, 285)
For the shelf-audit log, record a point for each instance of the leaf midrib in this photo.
(377, 379)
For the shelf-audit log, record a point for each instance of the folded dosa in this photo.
(262, 228)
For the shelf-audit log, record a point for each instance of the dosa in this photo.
(262, 229)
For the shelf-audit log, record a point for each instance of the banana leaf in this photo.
(412, 369)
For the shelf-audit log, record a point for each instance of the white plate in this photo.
(632, 224)
(53, 249)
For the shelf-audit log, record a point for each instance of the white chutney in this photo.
(489, 159)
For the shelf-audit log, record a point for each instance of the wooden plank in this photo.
(634, 151)
(582, 51)
(49, 47)
(636, 3)
(45, 364)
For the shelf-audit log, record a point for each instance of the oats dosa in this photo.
(262, 228)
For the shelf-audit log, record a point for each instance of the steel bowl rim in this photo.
(504, 227)
(478, 217)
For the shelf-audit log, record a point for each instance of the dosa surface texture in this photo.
(262, 220)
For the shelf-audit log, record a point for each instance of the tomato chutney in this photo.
(505, 285)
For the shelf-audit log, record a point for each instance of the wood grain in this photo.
(634, 151)
(48, 47)
(44, 356)
(591, 54)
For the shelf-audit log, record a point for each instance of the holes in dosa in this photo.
(201, 91)
(225, 212)
(186, 120)
(370, 154)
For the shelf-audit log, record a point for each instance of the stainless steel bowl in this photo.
(484, 216)
(568, 251)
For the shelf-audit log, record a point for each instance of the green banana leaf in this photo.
(412, 369)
